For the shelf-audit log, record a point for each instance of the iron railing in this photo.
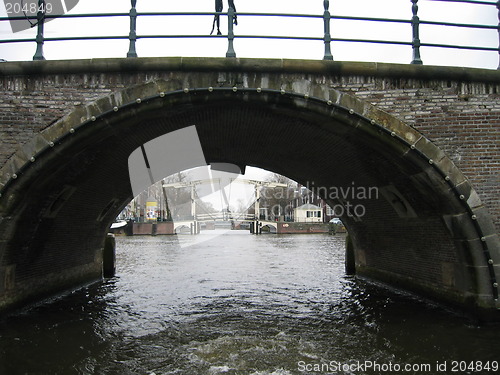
(327, 18)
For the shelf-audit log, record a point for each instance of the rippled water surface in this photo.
(235, 303)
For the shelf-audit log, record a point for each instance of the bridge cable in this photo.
(148, 166)
(220, 196)
(248, 208)
(226, 199)
(202, 206)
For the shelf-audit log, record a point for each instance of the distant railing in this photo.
(326, 18)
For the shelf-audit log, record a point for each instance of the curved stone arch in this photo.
(270, 224)
(180, 226)
(469, 223)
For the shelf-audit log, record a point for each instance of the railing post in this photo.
(328, 37)
(415, 23)
(133, 25)
(230, 32)
(40, 16)
(498, 7)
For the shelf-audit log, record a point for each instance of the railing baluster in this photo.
(328, 37)
(230, 33)
(40, 16)
(415, 23)
(133, 34)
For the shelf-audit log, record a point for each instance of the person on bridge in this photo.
(218, 8)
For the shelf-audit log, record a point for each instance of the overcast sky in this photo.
(400, 9)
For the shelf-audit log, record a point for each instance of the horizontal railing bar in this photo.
(236, 37)
(321, 39)
(467, 1)
(371, 41)
(159, 36)
(69, 38)
(89, 15)
(333, 17)
(4, 41)
(460, 47)
(48, 16)
(374, 19)
(292, 15)
(65, 39)
(465, 25)
(495, 49)
(206, 36)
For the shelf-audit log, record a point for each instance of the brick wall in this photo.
(461, 118)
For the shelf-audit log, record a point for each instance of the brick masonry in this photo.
(457, 110)
(461, 118)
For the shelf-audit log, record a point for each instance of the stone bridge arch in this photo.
(270, 224)
(427, 231)
(180, 226)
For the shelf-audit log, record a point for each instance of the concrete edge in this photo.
(104, 65)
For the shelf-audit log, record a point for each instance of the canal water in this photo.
(235, 303)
